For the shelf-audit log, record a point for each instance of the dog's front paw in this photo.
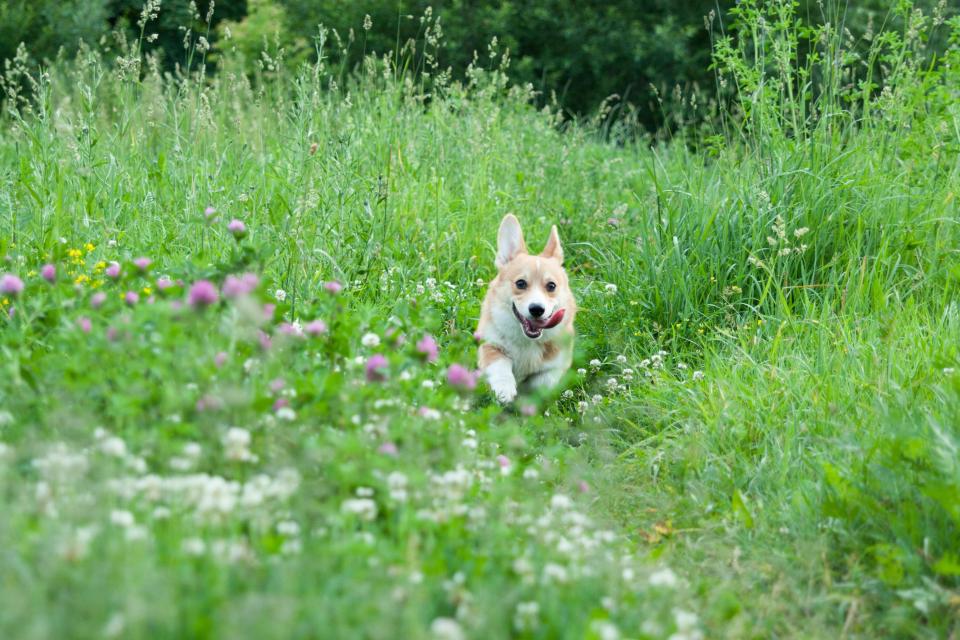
(505, 392)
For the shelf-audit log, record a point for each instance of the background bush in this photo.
(653, 54)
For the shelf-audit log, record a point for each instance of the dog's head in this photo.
(536, 287)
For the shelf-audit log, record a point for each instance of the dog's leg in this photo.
(498, 370)
(546, 379)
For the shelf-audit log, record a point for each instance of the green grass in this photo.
(781, 432)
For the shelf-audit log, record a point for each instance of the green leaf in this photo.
(740, 508)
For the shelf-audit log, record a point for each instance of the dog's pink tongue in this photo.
(555, 319)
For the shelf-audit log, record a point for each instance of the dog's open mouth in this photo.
(533, 329)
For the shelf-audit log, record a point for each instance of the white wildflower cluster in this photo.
(447, 494)
(363, 508)
(126, 521)
(60, 464)
(187, 460)
(653, 363)
(208, 498)
(443, 293)
(236, 445)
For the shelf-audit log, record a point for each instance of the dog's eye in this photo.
(551, 286)
(521, 284)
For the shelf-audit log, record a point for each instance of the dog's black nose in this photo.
(536, 310)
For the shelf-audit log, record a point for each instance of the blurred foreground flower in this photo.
(10, 285)
(428, 347)
(333, 287)
(237, 228)
(202, 294)
(315, 328)
(376, 368)
(462, 378)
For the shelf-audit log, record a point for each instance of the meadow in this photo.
(237, 395)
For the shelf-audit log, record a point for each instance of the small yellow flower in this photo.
(89, 247)
(30, 274)
(74, 253)
(100, 266)
(96, 284)
(4, 302)
(81, 279)
(147, 291)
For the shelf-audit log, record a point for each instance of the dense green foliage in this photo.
(759, 437)
(648, 61)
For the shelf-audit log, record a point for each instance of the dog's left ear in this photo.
(553, 248)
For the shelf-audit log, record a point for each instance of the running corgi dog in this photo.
(526, 322)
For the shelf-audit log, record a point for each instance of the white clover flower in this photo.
(446, 629)
(280, 295)
(428, 384)
(581, 372)
(610, 289)
(287, 414)
(698, 375)
(180, 464)
(567, 394)
(686, 626)
(663, 578)
(236, 443)
(561, 502)
(363, 508)
(530, 474)
(122, 518)
(582, 406)
(527, 616)
(114, 446)
(397, 484)
(135, 532)
(291, 547)
(288, 528)
(605, 630)
(115, 626)
(364, 492)
(597, 399)
(553, 572)
(622, 359)
(595, 363)
(370, 340)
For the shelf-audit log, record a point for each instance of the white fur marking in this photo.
(500, 376)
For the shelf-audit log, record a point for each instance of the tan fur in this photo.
(509, 358)
(489, 354)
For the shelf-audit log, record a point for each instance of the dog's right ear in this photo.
(509, 240)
